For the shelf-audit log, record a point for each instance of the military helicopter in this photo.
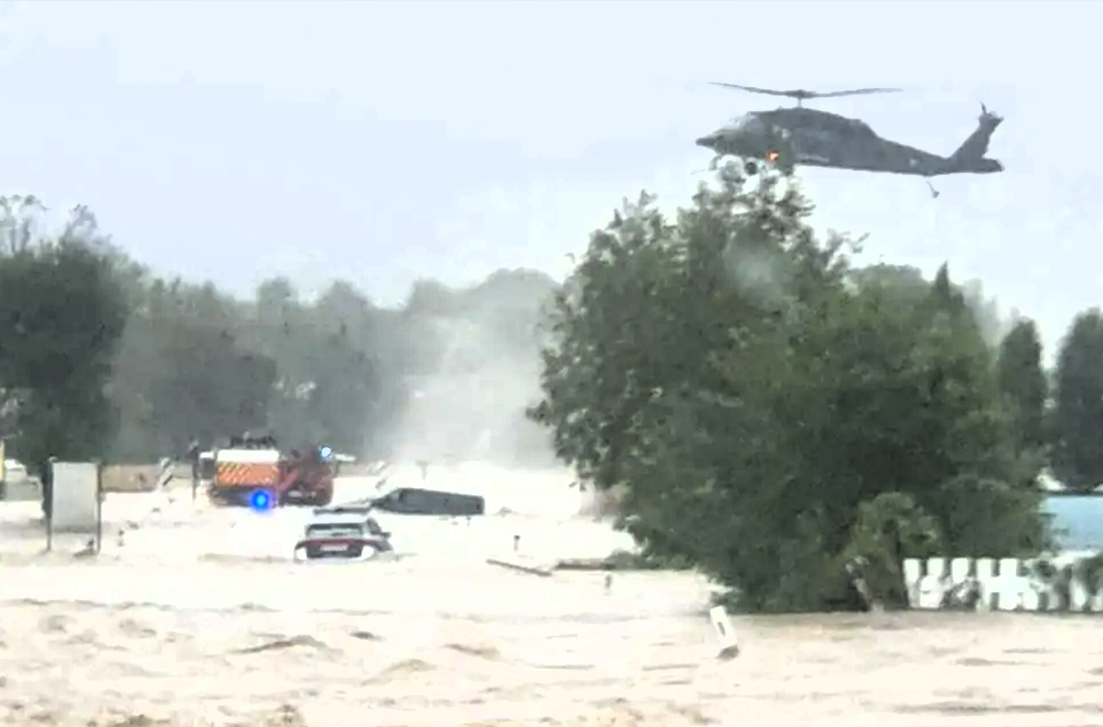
(791, 136)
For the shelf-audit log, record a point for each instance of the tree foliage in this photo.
(770, 410)
(768, 407)
(1023, 381)
(1077, 421)
(102, 358)
(61, 317)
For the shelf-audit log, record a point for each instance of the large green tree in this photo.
(61, 317)
(1077, 418)
(754, 395)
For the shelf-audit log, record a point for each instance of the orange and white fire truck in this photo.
(253, 471)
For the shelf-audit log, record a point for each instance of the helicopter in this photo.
(790, 136)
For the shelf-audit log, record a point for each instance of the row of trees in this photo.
(1058, 416)
(100, 358)
(129, 366)
(773, 411)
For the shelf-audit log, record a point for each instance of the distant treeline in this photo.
(100, 358)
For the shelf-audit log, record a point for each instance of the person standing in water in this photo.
(193, 458)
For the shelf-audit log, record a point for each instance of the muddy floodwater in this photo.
(200, 617)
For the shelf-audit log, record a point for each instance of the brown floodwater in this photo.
(201, 618)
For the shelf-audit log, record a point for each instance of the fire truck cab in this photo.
(306, 477)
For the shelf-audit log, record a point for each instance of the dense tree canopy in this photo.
(1023, 381)
(61, 317)
(1077, 422)
(770, 409)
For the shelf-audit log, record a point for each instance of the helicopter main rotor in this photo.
(802, 95)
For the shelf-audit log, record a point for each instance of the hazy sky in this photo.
(382, 142)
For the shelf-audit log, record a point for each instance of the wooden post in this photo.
(99, 505)
(48, 502)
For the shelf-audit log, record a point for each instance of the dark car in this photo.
(419, 501)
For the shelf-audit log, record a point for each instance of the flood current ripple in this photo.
(202, 618)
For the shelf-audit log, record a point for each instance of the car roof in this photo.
(351, 509)
(339, 518)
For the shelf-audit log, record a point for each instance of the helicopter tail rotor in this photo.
(988, 116)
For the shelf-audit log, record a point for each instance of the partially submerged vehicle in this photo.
(422, 501)
(343, 531)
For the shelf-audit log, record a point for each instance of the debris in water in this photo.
(486, 651)
(87, 551)
(728, 652)
(364, 636)
(288, 715)
(287, 643)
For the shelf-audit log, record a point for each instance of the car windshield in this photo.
(335, 528)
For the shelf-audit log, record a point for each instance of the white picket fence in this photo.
(1004, 584)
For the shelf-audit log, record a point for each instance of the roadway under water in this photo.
(202, 617)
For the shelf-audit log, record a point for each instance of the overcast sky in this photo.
(381, 142)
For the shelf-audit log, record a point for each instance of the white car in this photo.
(338, 532)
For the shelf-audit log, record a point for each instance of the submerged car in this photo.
(422, 501)
(343, 532)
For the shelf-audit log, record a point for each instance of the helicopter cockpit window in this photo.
(747, 122)
(843, 125)
(860, 128)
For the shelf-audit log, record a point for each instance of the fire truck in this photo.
(252, 471)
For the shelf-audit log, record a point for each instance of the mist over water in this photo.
(477, 369)
(468, 403)
(473, 406)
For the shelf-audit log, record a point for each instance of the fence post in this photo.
(48, 501)
(99, 505)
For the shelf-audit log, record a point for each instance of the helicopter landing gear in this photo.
(934, 192)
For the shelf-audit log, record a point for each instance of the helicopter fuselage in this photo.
(803, 136)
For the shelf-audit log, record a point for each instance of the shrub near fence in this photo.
(1068, 582)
